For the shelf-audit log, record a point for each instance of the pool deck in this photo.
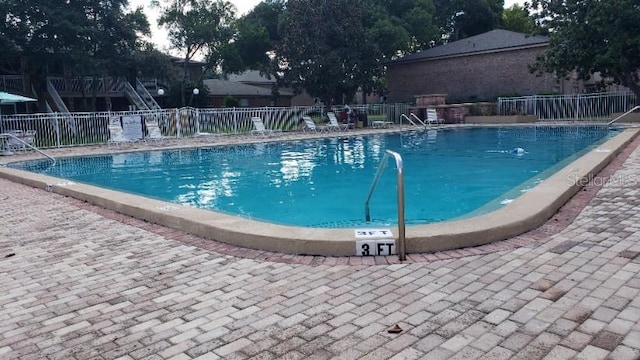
(82, 282)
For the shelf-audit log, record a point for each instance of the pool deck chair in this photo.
(432, 117)
(260, 129)
(153, 133)
(381, 124)
(20, 140)
(116, 136)
(310, 125)
(334, 124)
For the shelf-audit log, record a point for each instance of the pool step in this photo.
(375, 242)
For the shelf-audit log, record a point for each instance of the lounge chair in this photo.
(432, 117)
(153, 133)
(260, 129)
(19, 140)
(116, 136)
(310, 125)
(381, 124)
(334, 124)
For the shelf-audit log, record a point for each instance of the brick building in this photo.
(246, 95)
(477, 68)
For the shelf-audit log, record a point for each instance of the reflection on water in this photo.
(324, 182)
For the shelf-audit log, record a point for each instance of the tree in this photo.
(393, 29)
(333, 47)
(198, 26)
(321, 47)
(82, 37)
(255, 40)
(517, 18)
(592, 36)
(459, 19)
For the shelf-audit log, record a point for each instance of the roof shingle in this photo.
(492, 41)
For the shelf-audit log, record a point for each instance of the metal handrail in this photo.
(403, 116)
(133, 95)
(402, 253)
(623, 115)
(31, 146)
(419, 120)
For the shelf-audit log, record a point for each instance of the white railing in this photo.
(133, 95)
(576, 107)
(146, 96)
(76, 129)
(87, 85)
(12, 83)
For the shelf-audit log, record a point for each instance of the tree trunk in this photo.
(628, 80)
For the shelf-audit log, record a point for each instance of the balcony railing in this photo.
(13, 84)
(87, 85)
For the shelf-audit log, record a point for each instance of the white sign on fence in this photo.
(132, 127)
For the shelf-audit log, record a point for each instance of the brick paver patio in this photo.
(79, 282)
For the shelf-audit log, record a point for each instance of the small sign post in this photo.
(375, 242)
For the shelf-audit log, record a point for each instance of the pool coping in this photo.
(525, 213)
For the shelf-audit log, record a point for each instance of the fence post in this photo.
(235, 120)
(197, 121)
(178, 122)
(57, 127)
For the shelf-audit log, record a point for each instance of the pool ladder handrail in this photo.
(402, 253)
(623, 115)
(403, 116)
(30, 146)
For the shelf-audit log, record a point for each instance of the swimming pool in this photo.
(323, 183)
(526, 212)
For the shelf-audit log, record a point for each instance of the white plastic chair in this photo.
(260, 129)
(334, 124)
(432, 117)
(153, 133)
(116, 136)
(310, 125)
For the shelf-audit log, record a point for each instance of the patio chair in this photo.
(153, 133)
(20, 140)
(334, 124)
(310, 125)
(260, 129)
(116, 136)
(432, 117)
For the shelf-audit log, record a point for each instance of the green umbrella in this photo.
(7, 98)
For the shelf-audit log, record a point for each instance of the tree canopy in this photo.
(592, 36)
(459, 19)
(89, 37)
(329, 47)
(517, 18)
(198, 26)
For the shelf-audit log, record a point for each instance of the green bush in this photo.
(231, 102)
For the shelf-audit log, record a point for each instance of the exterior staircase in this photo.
(60, 106)
(146, 96)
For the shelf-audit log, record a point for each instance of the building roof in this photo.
(492, 41)
(224, 87)
(251, 76)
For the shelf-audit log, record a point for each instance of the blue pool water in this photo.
(324, 182)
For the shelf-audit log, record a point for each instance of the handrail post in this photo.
(623, 115)
(26, 144)
(402, 252)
